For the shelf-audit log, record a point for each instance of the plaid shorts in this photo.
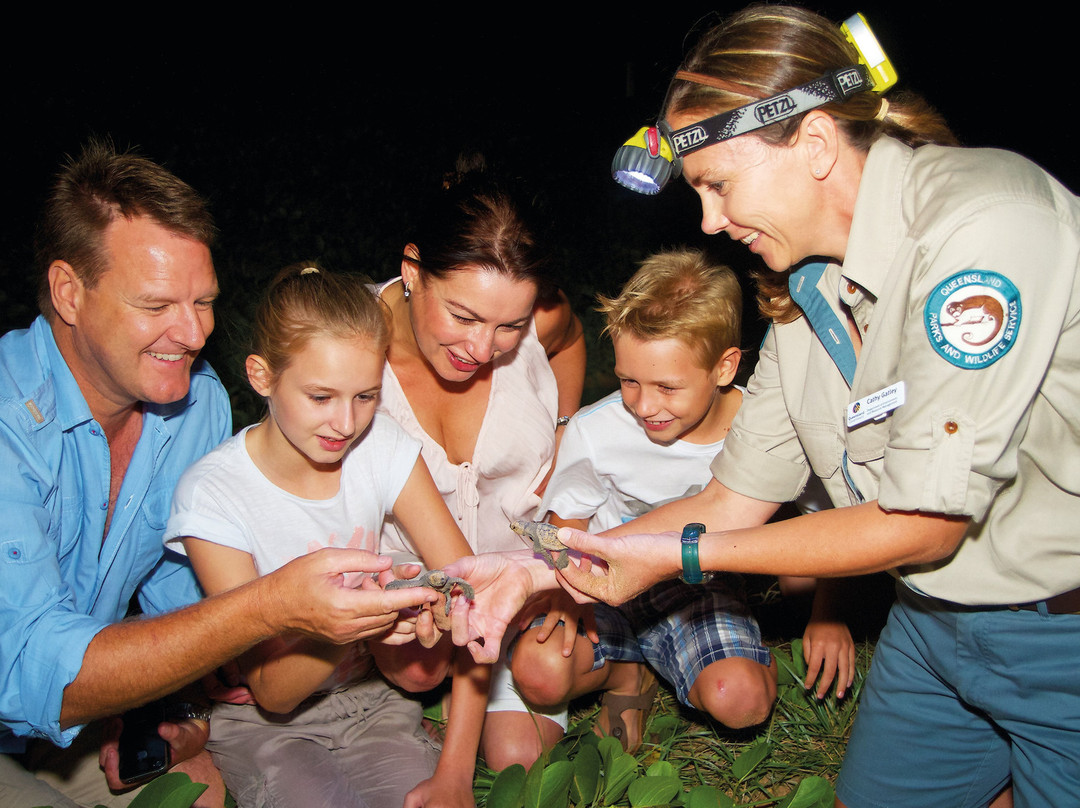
(680, 629)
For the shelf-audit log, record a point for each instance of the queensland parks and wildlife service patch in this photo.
(973, 318)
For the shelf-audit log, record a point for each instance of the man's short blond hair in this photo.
(679, 294)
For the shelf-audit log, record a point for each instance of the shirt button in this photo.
(14, 553)
(951, 426)
(93, 431)
(104, 505)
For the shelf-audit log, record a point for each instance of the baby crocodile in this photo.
(545, 541)
(437, 580)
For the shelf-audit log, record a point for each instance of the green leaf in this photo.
(661, 768)
(813, 792)
(586, 781)
(171, 790)
(618, 776)
(786, 673)
(553, 789)
(663, 726)
(648, 792)
(609, 749)
(557, 753)
(708, 797)
(750, 759)
(798, 659)
(508, 788)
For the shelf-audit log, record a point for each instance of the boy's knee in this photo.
(737, 692)
(541, 673)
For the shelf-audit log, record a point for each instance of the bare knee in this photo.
(737, 692)
(412, 667)
(513, 737)
(542, 675)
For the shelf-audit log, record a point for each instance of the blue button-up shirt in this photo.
(60, 582)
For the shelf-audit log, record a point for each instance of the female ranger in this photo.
(923, 363)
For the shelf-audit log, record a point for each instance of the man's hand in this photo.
(616, 569)
(503, 582)
(329, 595)
(186, 740)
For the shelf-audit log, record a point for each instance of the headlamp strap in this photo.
(836, 85)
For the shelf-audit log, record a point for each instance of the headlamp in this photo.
(653, 156)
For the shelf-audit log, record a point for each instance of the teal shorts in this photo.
(962, 699)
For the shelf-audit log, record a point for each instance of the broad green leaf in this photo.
(661, 768)
(750, 759)
(663, 726)
(171, 790)
(531, 794)
(798, 659)
(554, 791)
(649, 792)
(557, 753)
(708, 797)
(786, 673)
(618, 776)
(813, 792)
(584, 785)
(508, 789)
(609, 749)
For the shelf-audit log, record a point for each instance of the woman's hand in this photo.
(615, 569)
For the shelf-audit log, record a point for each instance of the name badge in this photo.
(875, 406)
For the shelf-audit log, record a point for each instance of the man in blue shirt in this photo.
(103, 404)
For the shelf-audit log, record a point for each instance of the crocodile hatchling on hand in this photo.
(437, 580)
(545, 541)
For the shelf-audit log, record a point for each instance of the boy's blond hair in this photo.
(678, 293)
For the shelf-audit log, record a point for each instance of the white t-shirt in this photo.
(225, 499)
(609, 472)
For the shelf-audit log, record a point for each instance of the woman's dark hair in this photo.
(479, 221)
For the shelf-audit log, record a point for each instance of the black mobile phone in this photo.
(143, 754)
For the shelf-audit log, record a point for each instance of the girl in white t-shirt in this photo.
(320, 470)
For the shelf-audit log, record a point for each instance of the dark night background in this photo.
(322, 145)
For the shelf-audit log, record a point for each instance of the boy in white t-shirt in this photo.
(676, 331)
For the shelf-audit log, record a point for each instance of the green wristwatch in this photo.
(691, 567)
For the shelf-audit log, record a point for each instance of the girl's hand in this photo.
(503, 582)
(829, 651)
(442, 792)
(558, 606)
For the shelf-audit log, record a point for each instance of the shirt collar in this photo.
(71, 407)
(877, 227)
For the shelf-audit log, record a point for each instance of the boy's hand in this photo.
(829, 651)
(555, 607)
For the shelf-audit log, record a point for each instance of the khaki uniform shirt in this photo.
(961, 276)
